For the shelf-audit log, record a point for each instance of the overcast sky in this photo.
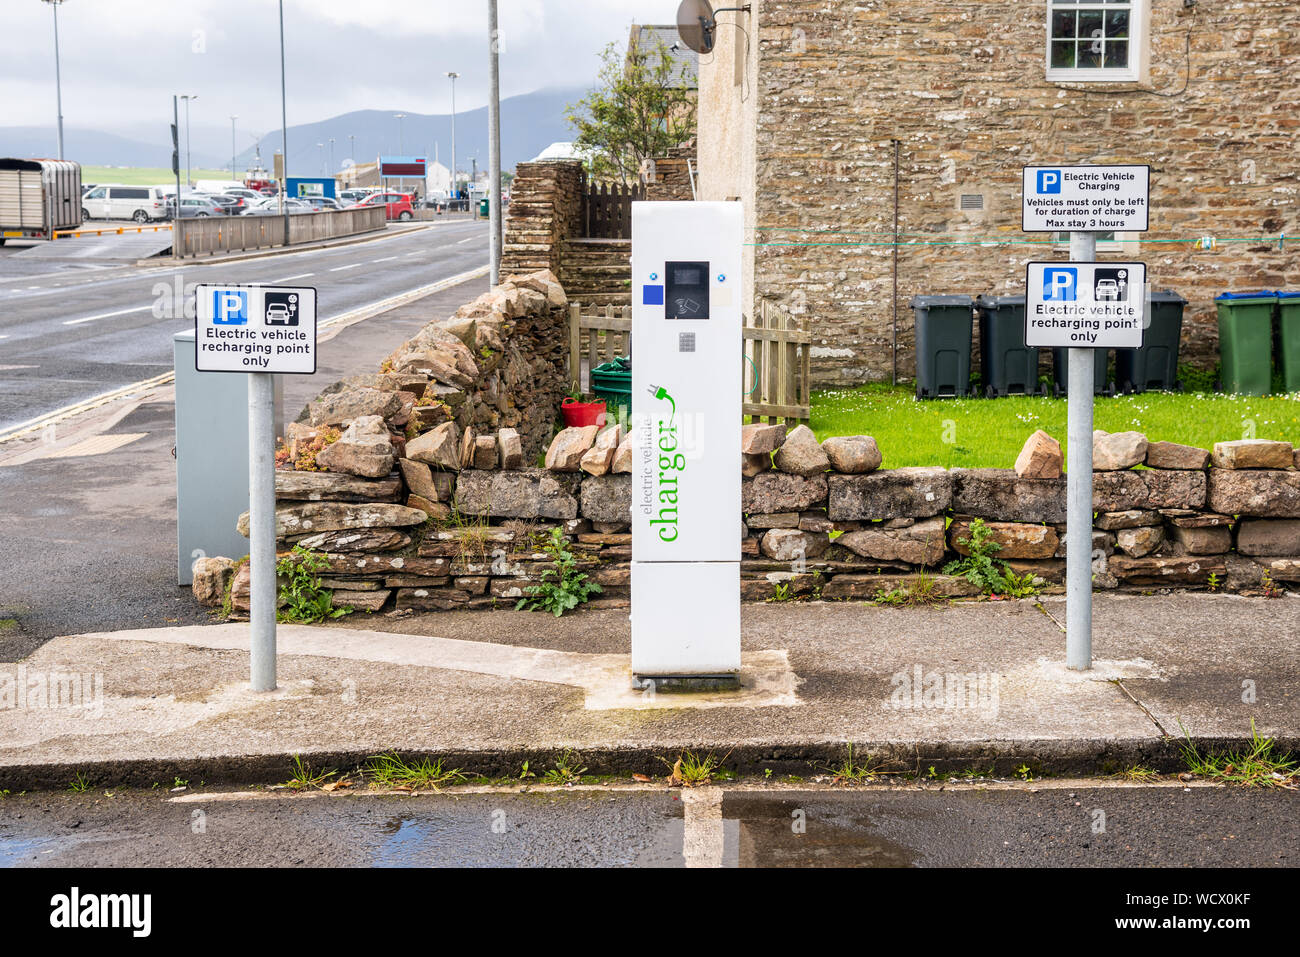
(123, 59)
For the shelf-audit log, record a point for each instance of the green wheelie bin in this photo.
(1153, 366)
(1246, 341)
(1288, 310)
(943, 340)
(1007, 365)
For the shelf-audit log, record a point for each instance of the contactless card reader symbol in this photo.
(282, 309)
(229, 307)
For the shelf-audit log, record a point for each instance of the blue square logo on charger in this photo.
(652, 295)
(229, 307)
(1060, 284)
(1049, 181)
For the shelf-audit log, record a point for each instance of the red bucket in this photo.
(578, 414)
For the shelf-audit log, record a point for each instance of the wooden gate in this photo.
(776, 359)
(601, 333)
(776, 367)
(607, 210)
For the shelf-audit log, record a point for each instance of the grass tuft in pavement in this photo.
(391, 771)
(1258, 767)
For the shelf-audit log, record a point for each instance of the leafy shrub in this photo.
(990, 575)
(563, 587)
(302, 598)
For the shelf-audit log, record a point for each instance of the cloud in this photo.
(122, 60)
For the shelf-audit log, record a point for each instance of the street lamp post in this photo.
(494, 146)
(58, 78)
(321, 147)
(232, 145)
(330, 171)
(452, 76)
(401, 148)
(187, 97)
(352, 148)
(284, 140)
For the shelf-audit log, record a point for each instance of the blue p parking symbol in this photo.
(1060, 284)
(1049, 181)
(229, 307)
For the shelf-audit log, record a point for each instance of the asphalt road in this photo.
(1083, 825)
(69, 331)
(89, 542)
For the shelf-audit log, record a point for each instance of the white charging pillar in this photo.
(685, 433)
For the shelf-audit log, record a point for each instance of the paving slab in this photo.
(953, 685)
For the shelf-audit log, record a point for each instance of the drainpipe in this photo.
(894, 374)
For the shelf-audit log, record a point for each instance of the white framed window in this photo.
(1097, 40)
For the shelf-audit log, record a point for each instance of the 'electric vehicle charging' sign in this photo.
(254, 328)
(1085, 305)
(1095, 199)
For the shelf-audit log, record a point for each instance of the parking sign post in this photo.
(260, 331)
(1078, 504)
(1083, 306)
(261, 529)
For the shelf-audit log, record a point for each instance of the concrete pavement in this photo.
(959, 686)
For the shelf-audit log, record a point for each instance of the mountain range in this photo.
(529, 123)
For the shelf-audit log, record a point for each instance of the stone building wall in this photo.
(962, 86)
(545, 210)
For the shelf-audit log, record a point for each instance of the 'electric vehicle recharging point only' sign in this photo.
(254, 328)
(1095, 199)
(1085, 305)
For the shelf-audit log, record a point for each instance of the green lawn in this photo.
(988, 433)
(146, 175)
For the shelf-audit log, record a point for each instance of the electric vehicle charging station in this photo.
(685, 435)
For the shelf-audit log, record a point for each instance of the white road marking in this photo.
(104, 315)
(462, 242)
(349, 266)
(301, 275)
(384, 260)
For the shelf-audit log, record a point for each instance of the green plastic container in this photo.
(484, 210)
(1246, 341)
(1288, 309)
(612, 381)
(943, 340)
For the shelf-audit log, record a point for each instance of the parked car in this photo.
(270, 206)
(196, 205)
(140, 203)
(323, 202)
(247, 195)
(353, 195)
(399, 204)
(230, 205)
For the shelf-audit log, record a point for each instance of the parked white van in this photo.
(140, 203)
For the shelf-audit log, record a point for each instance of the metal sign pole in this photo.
(1078, 515)
(261, 528)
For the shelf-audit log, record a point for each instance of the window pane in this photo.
(1063, 24)
(1117, 53)
(1063, 54)
(1117, 23)
(1089, 55)
(1090, 23)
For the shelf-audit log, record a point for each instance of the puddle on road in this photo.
(19, 851)
(786, 832)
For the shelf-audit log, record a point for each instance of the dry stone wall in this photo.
(460, 519)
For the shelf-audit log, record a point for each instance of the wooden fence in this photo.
(601, 334)
(776, 367)
(607, 210)
(777, 357)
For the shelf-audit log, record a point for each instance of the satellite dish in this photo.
(695, 25)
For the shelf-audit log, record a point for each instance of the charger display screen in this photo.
(686, 292)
